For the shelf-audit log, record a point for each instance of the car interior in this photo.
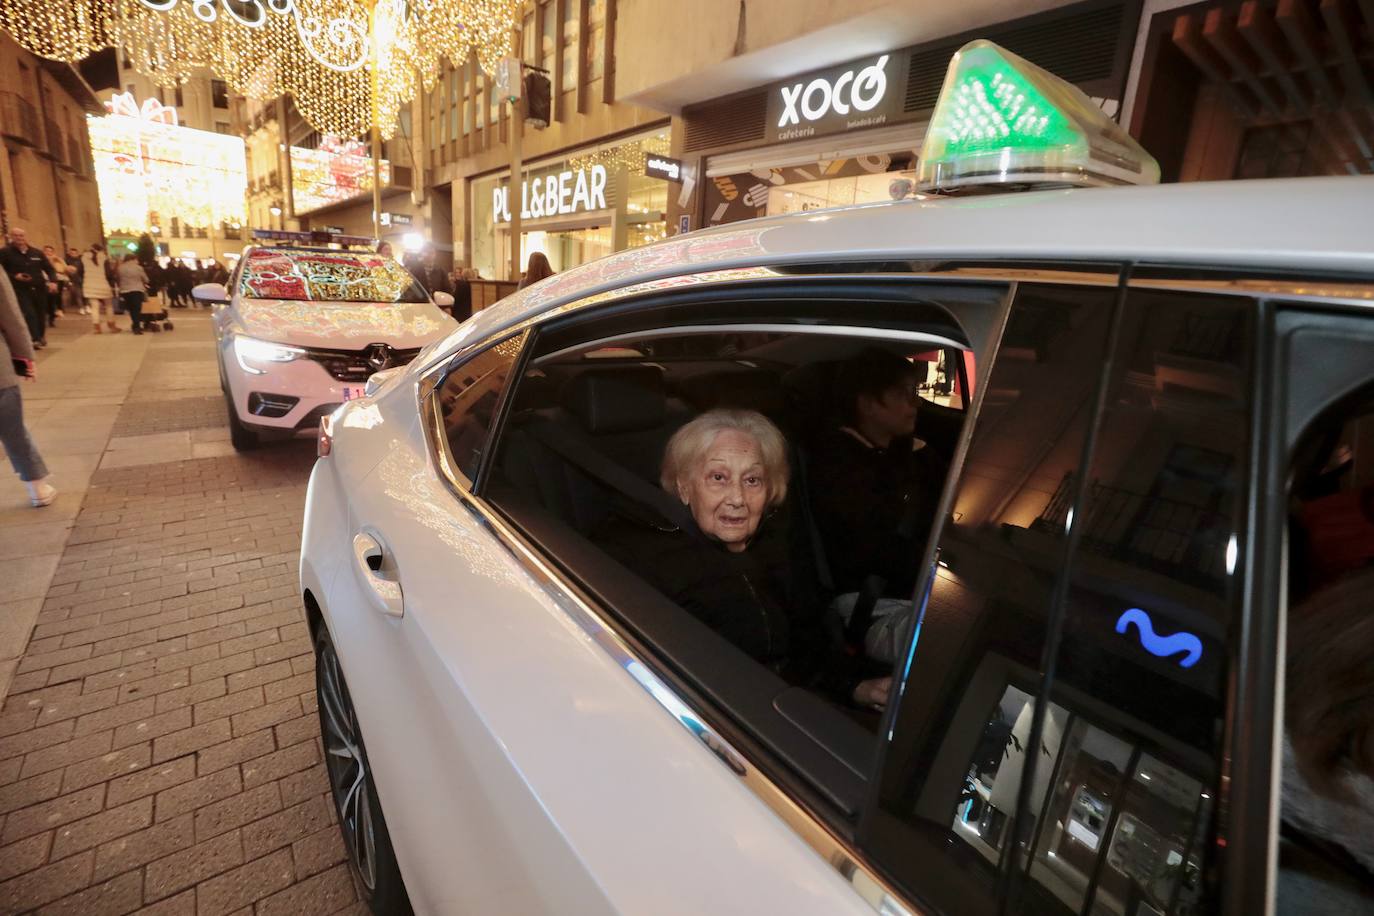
(581, 444)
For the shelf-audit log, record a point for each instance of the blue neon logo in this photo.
(1161, 646)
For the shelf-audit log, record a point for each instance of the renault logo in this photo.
(379, 356)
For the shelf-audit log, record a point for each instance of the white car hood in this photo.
(342, 325)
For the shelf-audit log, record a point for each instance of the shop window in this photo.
(596, 40)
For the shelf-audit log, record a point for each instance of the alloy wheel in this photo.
(347, 765)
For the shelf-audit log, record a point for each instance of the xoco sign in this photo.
(865, 93)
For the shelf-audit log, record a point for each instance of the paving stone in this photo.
(238, 750)
(197, 793)
(324, 893)
(115, 897)
(46, 884)
(238, 810)
(285, 827)
(153, 726)
(242, 886)
(115, 716)
(191, 739)
(107, 767)
(152, 780)
(191, 866)
(24, 855)
(280, 763)
(105, 826)
(136, 849)
(183, 904)
(30, 791)
(67, 753)
(267, 716)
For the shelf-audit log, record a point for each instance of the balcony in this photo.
(76, 156)
(56, 148)
(19, 119)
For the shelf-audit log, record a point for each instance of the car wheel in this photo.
(242, 438)
(371, 858)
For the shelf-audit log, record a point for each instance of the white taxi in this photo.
(577, 652)
(300, 330)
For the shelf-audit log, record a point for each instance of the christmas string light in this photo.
(326, 54)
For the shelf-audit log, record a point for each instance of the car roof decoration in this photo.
(1001, 120)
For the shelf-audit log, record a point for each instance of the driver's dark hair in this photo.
(872, 371)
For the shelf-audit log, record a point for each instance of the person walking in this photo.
(33, 278)
(17, 355)
(74, 300)
(461, 310)
(133, 289)
(97, 285)
(56, 297)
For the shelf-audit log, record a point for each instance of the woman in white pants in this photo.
(95, 286)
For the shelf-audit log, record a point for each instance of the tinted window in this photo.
(468, 399)
(1155, 589)
(960, 741)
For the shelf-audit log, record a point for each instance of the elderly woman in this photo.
(727, 563)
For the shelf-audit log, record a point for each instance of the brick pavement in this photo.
(159, 748)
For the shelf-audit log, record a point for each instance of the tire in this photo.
(371, 858)
(242, 438)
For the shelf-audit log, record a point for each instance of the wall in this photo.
(58, 205)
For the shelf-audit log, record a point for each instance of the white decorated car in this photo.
(1147, 399)
(300, 330)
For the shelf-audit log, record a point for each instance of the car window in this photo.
(1327, 757)
(954, 762)
(467, 400)
(1109, 780)
(311, 275)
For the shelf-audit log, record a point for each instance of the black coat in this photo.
(861, 496)
(752, 598)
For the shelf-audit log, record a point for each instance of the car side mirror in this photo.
(443, 299)
(211, 293)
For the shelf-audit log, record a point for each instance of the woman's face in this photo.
(728, 490)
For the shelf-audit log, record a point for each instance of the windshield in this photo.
(327, 276)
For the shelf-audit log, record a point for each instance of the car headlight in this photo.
(249, 350)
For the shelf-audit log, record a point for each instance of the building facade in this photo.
(47, 184)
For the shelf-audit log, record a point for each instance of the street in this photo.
(159, 744)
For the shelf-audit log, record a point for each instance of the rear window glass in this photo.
(327, 276)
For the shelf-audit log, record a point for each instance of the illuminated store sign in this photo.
(1161, 646)
(151, 171)
(339, 171)
(555, 194)
(663, 167)
(865, 93)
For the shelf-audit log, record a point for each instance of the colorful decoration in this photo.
(326, 277)
(150, 170)
(325, 53)
(339, 170)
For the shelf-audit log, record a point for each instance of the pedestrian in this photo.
(384, 249)
(537, 269)
(23, 454)
(462, 295)
(55, 299)
(218, 274)
(431, 276)
(133, 289)
(33, 278)
(97, 285)
(75, 302)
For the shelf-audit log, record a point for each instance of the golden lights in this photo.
(324, 53)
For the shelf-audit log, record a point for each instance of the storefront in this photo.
(574, 208)
(844, 134)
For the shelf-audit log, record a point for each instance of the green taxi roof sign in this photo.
(1000, 120)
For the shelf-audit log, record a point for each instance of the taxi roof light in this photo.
(1002, 120)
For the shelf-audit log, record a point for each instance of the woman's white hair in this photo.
(689, 445)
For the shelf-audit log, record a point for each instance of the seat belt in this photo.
(588, 459)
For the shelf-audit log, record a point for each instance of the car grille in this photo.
(354, 365)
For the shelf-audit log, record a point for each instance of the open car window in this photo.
(758, 636)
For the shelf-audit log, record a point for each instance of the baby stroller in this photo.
(154, 317)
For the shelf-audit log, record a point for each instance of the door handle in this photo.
(377, 572)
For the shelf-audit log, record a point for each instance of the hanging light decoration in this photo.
(327, 54)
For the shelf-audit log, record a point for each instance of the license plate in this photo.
(351, 393)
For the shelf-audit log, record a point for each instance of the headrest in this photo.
(748, 389)
(617, 400)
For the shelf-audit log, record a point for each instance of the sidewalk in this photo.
(159, 747)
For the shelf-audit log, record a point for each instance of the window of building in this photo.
(596, 40)
(221, 127)
(179, 100)
(219, 93)
(548, 36)
(454, 105)
(21, 192)
(469, 104)
(572, 22)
